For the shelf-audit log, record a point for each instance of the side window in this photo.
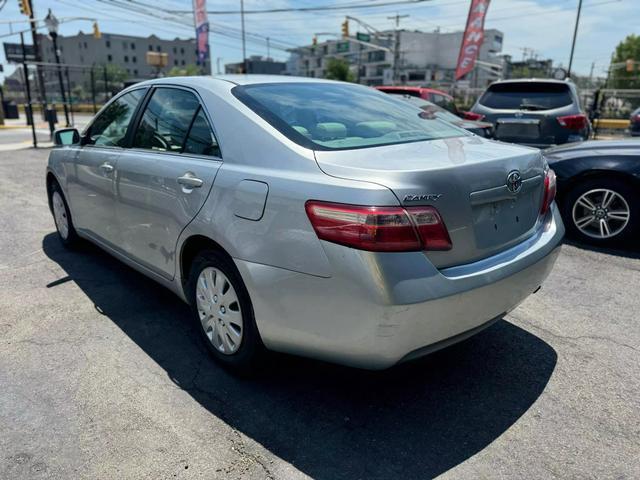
(201, 139)
(110, 128)
(165, 121)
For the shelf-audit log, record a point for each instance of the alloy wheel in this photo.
(601, 213)
(219, 310)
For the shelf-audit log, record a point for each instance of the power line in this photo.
(311, 9)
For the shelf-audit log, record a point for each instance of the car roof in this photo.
(237, 79)
(592, 145)
(533, 80)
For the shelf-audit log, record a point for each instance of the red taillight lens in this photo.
(549, 191)
(635, 118)
(573, 122)
(379, 229)
(476, 117)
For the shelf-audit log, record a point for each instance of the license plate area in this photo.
(500, 222)
(499, 216)
(517, 128)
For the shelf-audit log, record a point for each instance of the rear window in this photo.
(527, 96)
(326, 116)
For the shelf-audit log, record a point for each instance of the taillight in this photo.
(549, 191)
(573, 122)
(379, 229)
(635, 118)
(476, 117)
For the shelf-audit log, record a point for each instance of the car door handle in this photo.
(106, 167)
(189, 180)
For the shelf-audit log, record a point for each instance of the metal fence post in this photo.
(93, 90)
(66, 74)
(106, 85)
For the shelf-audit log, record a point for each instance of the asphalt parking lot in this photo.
(102, 376)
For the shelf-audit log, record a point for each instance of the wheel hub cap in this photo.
(60, 215)
(219, 310)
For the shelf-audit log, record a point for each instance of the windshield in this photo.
(527, 96)
(328, 116)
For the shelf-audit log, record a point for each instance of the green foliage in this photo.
(628, 49)
(115, 74)
(338, 69)
(187, 70)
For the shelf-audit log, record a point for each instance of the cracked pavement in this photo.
(102, 376)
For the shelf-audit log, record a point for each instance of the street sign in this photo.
(13, 52)
(342, 47)
(363, 37)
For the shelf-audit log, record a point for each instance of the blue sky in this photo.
(545, 26)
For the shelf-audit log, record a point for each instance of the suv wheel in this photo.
(602, 211)
(222, 310)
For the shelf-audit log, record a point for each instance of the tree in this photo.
(187, 70)
(628, 49)
(338, 69)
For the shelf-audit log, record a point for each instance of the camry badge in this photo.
(426, 197)
(514, 181)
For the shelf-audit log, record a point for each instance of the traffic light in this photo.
(314, 42)
(630, 65)
(25, 7)
(96, 30)
(345, 28)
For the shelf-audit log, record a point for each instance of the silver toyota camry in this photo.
(307, 216)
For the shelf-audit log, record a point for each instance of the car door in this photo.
(91, 174)
(165, 177)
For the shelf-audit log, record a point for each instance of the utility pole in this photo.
(218, 65)
(52, 25)
(28, 108)
(268, 49)
(38, 57)
(593, 65)
(244, 44)
(396, 47)
(575, 34)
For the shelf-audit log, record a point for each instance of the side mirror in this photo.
(66, 136)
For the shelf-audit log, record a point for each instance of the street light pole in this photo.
(52, 25)
(575, 34)
(244, 46)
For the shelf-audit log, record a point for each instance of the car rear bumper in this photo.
(380, 309)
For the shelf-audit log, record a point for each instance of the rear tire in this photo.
(602, 211)
(62, 217)
(223, 312)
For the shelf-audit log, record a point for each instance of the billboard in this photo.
(202, 29)
(13, 52)
(472, 38)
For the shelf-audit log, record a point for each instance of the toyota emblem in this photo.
(514, 181)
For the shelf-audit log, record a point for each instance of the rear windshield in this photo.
(327, 116)
(527, 96)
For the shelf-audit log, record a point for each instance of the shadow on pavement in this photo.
(412, 422)
(624, 251)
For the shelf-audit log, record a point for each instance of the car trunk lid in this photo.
(465, 178)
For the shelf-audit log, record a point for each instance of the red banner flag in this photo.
(472, 38)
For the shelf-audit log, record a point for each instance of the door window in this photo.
(166, 119)
(110, 127)
(201, 139)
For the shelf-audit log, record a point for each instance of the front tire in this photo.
(602, 211)
(62, 217)
(223, 312)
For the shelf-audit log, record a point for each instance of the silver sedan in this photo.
(306, 216)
